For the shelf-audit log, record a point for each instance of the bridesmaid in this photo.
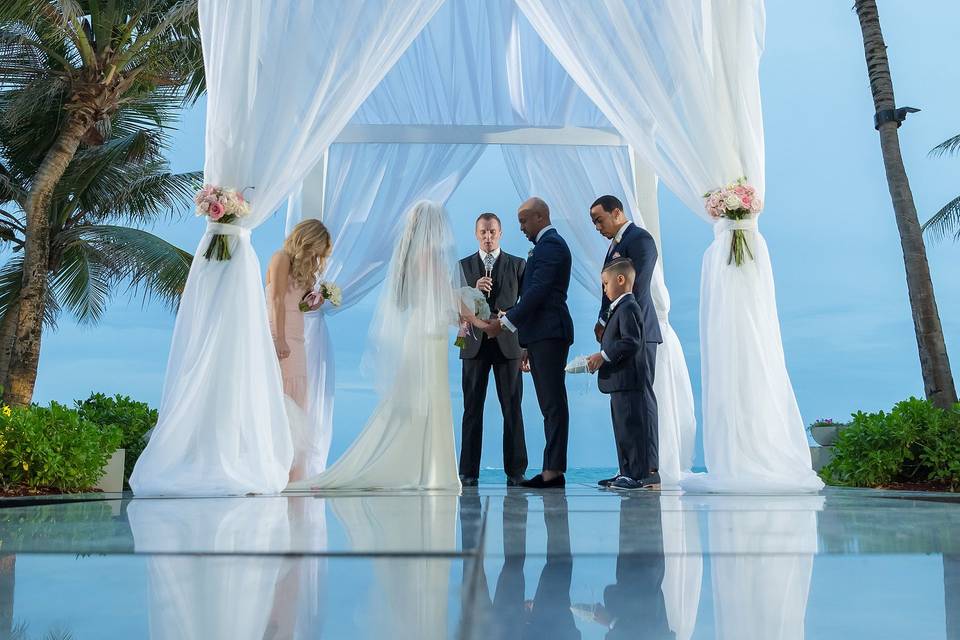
(291, 275)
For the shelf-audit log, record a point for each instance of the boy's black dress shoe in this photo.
(467, 481)
(537, 482)
(515, 481)
(623, 482)
(608, 481)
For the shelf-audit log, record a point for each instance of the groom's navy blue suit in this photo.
(545, 329)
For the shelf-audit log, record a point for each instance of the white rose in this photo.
(732, 202)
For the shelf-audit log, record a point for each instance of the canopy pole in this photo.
(645, 186)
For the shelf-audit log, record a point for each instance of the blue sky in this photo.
(841, 292)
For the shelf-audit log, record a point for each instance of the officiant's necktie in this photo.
(488, 263)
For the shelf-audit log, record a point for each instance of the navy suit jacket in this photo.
(542, 313)
(622, 343)
(638, 245)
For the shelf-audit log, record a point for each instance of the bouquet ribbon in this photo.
(220, 229)
(725, 224)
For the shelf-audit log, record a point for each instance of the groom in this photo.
(542, 322)
(627, 240)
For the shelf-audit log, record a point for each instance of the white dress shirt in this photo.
(613, 305)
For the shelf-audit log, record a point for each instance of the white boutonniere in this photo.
(616, 254)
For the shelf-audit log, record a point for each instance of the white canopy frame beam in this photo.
(479, 134)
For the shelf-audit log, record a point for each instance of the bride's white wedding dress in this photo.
(408, 442)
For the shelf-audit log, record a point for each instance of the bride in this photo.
(408, 441)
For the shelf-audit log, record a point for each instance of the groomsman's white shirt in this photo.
(484, 254)
(506, 324)
(616, 240)
(613, 305)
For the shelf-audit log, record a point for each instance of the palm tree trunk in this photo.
(934, 363)
(25, 355)
(8, 330)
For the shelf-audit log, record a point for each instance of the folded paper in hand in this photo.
(577, 365)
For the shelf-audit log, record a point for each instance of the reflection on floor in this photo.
(492, 563)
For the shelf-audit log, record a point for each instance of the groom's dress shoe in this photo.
(537, 482)
(515, 481)
(623, 482)
(468, 481)
(652, 481)
(608, 481)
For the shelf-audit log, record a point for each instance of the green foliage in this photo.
(915, 443)
(53, 447)
(132, 418)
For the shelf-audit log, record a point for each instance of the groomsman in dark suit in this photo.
(498, 275)
(627, 240)
(543, 324)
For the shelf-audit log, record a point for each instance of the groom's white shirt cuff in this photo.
(604, 356)
(506, 324)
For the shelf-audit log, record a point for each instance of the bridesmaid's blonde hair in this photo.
(308, 246)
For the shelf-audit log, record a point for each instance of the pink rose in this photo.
(740, 190)
(746, 200)
(216, 210)
(756, 205)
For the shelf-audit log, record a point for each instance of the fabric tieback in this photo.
(227, 230)
(725, 224)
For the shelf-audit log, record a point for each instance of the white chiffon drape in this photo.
(282, 80)
(680, 82)
(570, 179)
(363, 194)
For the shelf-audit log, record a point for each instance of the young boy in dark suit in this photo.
(622, 371)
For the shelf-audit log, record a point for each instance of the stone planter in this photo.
(112, 479)
(820, 457)
(825, 435)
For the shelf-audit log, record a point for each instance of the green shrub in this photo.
(53, 447)
(916, 442)
(133, 418)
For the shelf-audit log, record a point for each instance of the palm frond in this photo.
(944, 222)
(139, 194)
(82, 282)
(147, 264)
(949, 146)
(11, 280)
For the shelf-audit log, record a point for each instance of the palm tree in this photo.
(934, 363)
(82, 60)
(93, 249)
(947, 220)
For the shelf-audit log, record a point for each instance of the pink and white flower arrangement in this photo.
(736, 201)
(223, 206)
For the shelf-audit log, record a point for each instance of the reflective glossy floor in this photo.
(492, 563)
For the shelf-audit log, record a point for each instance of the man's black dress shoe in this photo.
(608, 481)
(537, 482)
(467, 481)
(652, 481)
(515, 481)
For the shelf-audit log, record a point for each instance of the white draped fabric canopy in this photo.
(410, 91)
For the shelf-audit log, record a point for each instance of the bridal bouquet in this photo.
(328, 291)
(224, 206)
(474, 300)
(736, 201)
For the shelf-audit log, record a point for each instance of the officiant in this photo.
(498, 275)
